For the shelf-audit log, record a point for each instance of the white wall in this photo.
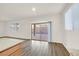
(23, 32)
(56, 26)
(2, 28)
(25, 28)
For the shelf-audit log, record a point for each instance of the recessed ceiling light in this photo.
(33, 9)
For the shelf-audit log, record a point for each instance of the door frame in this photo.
(50, 29)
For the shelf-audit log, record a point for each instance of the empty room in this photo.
(39, 29)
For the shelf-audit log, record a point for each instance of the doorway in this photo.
(41, 31)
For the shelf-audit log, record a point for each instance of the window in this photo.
(72, 18)
(68, 20)
(15, 26)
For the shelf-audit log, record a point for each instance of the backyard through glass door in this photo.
(41, 31)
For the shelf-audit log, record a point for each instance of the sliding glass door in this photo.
(44, 32)
(40, 31)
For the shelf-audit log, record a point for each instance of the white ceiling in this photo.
(10, 11)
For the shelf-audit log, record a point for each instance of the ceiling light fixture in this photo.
(33, 9)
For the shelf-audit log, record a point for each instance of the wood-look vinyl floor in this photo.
(40, 48)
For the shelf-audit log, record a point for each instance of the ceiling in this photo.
(10, 11)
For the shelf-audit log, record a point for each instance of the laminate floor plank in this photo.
(41, 48)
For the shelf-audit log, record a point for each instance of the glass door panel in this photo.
(44, 32)
(40, 31)
(36, 31)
